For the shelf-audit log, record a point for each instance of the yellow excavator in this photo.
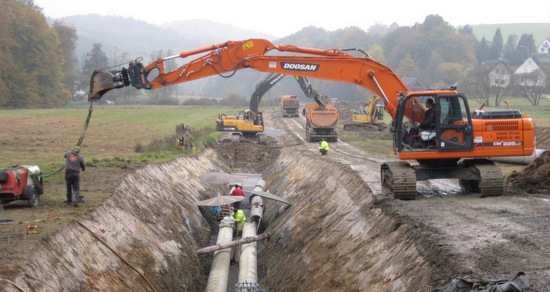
(369, 118)
(249, 123)
(246, 123)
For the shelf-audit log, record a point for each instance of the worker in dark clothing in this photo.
(74, 164)
(429, 117)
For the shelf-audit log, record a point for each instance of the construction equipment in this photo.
(290, 105)
(249, 123)
(246, 123)
(369, 118)
(289, 108)
(21, 182)
(321, 122)
(462, 142)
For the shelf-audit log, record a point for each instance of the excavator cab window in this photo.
(453, 129)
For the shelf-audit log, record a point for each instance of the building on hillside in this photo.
(529, 74)
(415, 84)
(544, 47)
(499, 74)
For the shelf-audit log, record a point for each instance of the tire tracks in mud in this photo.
(367, 166)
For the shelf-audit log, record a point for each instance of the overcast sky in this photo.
(283, 17)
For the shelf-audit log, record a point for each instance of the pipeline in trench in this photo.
(332, 236)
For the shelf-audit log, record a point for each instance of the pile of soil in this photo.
(534, 178)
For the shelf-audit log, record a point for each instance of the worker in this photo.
(74, 164)
(323, 147)
(187, 140)
(237, 191)
(429, 116)
(237, 215)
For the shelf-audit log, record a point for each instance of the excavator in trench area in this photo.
(249, 123)
(458, 147)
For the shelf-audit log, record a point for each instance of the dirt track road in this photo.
(469, 236)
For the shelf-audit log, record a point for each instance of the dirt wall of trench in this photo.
(144, 237)
(333, 237)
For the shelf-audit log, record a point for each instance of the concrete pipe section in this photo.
(248, 262)
(218, 278)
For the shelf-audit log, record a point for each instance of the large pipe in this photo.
(256, 209)
(248, 263)
(257, 203)
(521, 159)
(219, 272)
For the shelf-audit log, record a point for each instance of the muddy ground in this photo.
(353, 239)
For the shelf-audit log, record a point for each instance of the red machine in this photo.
(458, 146)
(21, 182)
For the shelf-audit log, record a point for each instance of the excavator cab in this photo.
(452, 130)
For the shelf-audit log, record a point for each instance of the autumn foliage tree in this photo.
(32, 72)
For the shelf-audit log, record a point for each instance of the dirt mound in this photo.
(534, 178)
(248, 156)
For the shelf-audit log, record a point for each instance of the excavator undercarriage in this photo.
(474, 176)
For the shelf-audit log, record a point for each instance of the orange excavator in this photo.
(458, 145)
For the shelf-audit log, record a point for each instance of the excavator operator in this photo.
(429, 117)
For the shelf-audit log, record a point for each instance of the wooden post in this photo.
(217, 247)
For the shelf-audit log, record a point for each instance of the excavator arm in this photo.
(226, 58)
(263, 87)
(310, 92)
(270, 81)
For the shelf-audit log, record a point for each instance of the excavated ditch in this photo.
(145, 236)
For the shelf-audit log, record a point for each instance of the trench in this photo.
(146, 235)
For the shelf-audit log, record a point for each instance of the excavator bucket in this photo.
(100, 83)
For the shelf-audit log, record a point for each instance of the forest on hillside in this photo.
(43, 69)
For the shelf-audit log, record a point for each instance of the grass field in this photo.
(42, 136)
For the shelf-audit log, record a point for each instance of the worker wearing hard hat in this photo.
(237, 215)
(323, 147)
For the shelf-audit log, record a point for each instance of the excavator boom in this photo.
(228, 57)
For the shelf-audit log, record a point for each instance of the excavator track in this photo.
(398, 178)
(489, 182)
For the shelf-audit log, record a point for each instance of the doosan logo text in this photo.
(300, 66)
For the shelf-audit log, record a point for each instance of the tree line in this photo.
(40, 68)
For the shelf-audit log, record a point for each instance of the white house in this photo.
(499, 76)
(544, 47)
(530, 74)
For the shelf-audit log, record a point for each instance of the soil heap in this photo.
(534, 178)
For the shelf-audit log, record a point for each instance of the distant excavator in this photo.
(369, 118)
(249, 123)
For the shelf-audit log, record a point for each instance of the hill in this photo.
(140, 38)
(540, 31)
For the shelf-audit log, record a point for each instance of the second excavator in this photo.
(249, 123)
(369, 118)
(458, 146)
